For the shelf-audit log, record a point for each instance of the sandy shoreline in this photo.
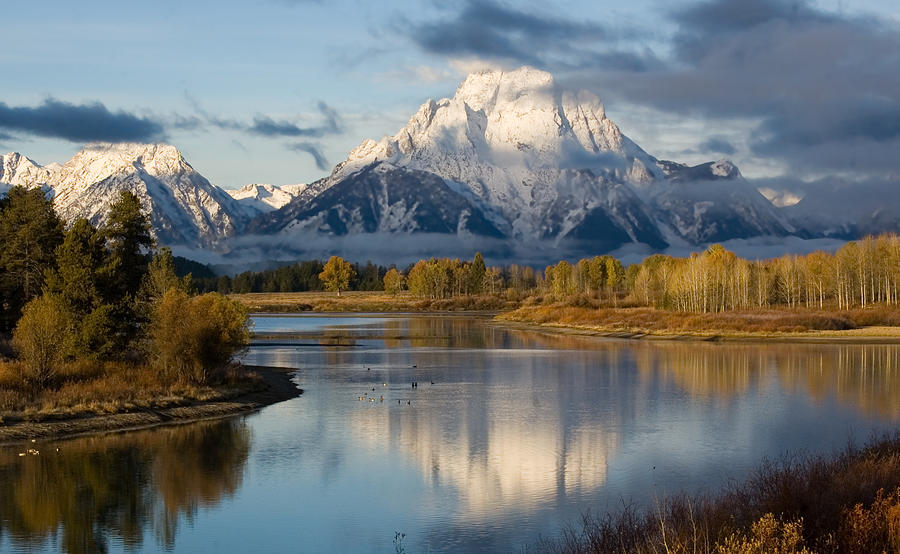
(867, 335)
(279, 387)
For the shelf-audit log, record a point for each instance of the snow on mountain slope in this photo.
(259, 198)
(534, 159)
(16, 169)
(184, 207)
(386, 199)
(712, 202)
(848, 209)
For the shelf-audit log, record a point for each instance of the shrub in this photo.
(40, 339)
(196, 337)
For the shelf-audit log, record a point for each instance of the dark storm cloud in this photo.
(493, 30)
(313, 150)
(820, 90)
(79, 122)
(717, 145)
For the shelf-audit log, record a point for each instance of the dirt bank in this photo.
(278, 387)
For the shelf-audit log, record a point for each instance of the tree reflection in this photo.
(862, 376)
(98, 488)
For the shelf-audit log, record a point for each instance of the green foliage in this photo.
(196, 337)
(298, 277)
(368, 277)
(128, 239)
(30, 231)
(79, 259)
(336, 274)
(40, 338)
(95, 335)
(477, 271)
(393, 281)
(161, 276)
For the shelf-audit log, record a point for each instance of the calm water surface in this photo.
(519, 434)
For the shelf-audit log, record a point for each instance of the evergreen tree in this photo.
(30, 231)
(161, 277)
(476, 274)
(79, 261)
(127, 234)
(77, 284)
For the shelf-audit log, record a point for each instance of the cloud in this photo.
(264, 125)
(313, 150)
(484, 29)
(79, 122)
(717, 145)
(818, 89)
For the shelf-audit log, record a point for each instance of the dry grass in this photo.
(847, 503)
(737, 322)
(90, 388)
(365, 301)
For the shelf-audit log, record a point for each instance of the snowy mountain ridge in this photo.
(184, 207)
(261, 198)
(543, 163)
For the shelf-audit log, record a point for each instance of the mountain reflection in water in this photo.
(520, 434)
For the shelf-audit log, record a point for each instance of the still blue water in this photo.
(519, 434)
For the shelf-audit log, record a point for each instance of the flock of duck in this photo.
(371, 399)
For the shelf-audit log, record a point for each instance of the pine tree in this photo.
(79, 261)
(127, 234)
(128, 239)
(30, 231)
(476, 274)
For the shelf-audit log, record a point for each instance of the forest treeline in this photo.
(78, 301)
(859, 274)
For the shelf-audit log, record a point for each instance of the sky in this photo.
(278, 91)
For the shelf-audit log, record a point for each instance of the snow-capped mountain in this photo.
(540, 163)
(16, 169)
(260, 198)
(184, 207)
(712, 202)
(848, 209)
(537, 162)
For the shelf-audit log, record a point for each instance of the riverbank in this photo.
(848, 502)
(853, 326)
(366, 302)
(270, 386)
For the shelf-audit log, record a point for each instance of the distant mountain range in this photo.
(511, 157)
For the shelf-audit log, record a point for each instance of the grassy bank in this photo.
(795, 323)
(846, 503)
(365, 301)
(101, 397)
(64, 415)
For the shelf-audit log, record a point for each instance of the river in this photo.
(508, 436)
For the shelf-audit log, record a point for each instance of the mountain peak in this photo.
(16, 169)
(482, 90)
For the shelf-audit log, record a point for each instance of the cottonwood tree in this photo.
(336, 274)
(40, 339)
(393, 281)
